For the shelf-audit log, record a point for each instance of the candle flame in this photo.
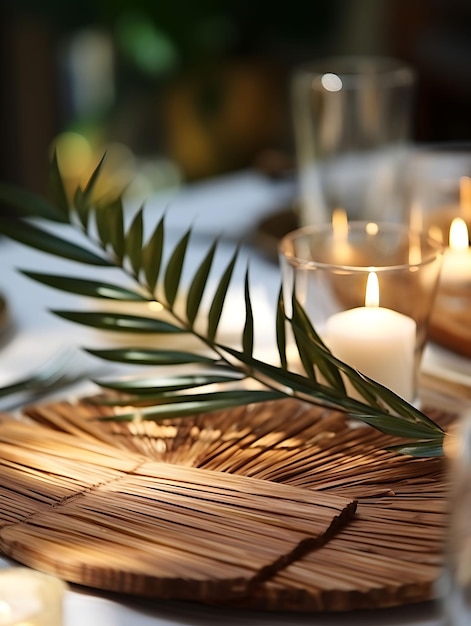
(465, 197)
(415, 250)
(416, 218)
(459, 236)
(416, 225)
(372, 290)
(340, 224)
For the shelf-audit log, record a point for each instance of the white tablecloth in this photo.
(232, 207)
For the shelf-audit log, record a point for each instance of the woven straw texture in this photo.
(277, 506)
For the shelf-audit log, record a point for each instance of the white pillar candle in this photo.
(378, 342)
(30, 598)
(342, 251)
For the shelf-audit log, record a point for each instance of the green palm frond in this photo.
(158, 385)
(133, 243)
(151, 259)
(198, 284)
(247, 335)
(108, 243)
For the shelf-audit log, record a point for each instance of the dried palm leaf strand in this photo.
(280, 468)
(62, 417)
(103, 565)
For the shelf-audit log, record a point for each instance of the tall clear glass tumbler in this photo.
(352, 124)
(369, 293)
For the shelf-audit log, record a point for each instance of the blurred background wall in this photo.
(201, 87)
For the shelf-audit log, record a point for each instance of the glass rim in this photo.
(384, 69)
(436, 247)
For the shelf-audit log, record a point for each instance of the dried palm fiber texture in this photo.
(389, 554)
(95, 515)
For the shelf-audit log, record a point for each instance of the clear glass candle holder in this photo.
(369, 292)
(439, 193)
(438, 185)
(28, 597)
(352, 119)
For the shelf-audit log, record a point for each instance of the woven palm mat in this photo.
(253, 507)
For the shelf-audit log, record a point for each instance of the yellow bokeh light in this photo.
(74, 154)
(372, 228)
(155, 306)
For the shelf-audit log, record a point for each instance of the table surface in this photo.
(230, 207)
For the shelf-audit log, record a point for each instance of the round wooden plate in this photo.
(389, 554)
